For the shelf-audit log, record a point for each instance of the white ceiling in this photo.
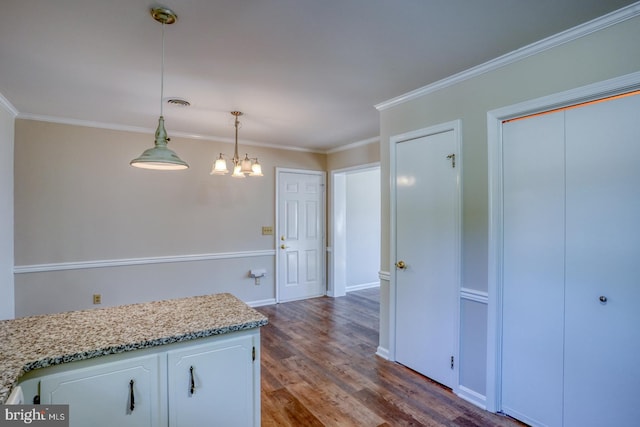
(306, 73)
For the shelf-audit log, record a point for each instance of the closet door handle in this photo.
(132, 399)
(192, 383)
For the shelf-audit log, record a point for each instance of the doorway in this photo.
(355, 224)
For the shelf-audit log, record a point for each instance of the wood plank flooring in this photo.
(319, 368)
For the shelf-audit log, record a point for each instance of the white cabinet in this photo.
(213, 384)
(123, 393)
(208, 381)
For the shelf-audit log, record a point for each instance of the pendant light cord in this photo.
(162, 74)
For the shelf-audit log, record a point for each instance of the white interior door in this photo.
(427, 242)
(602, 349)
(300, 241)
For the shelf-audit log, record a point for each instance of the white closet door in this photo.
(533, 272)
(602, 369)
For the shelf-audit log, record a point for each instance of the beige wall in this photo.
(608, 53)
(6, 213)
(356, 156)
(78, 200)
(363, 154)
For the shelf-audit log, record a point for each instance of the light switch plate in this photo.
(267, 230)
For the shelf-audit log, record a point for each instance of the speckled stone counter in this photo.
(39, 341)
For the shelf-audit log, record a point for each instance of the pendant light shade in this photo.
(160, 157)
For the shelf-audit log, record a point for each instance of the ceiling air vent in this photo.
(179, 102)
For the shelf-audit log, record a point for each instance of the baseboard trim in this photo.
(362, 286)
(80, 265)
(260, 303)
(382, 352)
(472, 397)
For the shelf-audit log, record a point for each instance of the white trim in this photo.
(384, 275)
(7, 105)
(139, 129)
(80, 265)
(474, 295)
(358, 168)
(456, 127)
(354, 145)
(618, 85)
(472, 396)
(323, 222)
(362, 286)
(569, 35)
(260, 303)
(382, 352)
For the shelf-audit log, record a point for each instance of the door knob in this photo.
(283, 246)
(401, 265)
(603, 299)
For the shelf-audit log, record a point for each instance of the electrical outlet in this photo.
(267, 230)
(97, 299)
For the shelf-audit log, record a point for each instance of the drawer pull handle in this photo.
(132, 399)
(192, 387)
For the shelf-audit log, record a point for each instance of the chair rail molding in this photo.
(80, 265)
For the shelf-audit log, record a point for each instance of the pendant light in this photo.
(160, 157)
(241, 167)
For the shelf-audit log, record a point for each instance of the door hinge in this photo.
(452, 157)
(253, 353)
(451, 362)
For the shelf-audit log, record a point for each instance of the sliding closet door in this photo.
(602, 353)
(533, 273)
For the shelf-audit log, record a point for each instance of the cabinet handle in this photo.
(192, 387)
(132, 399)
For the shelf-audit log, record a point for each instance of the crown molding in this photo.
(353, 145)
(561, 38)
(4, 103)
(138, 129)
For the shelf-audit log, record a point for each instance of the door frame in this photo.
(495, 118)
(455, 126)
(323, 225)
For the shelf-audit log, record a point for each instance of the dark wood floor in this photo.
(319, 368)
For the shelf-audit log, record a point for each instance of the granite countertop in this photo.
(36, 342)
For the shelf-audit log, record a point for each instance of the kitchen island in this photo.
(164, 342)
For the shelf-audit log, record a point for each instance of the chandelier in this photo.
(241, 167)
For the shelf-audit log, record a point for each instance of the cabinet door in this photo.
(602, 372)
(102, 395)
(215, 384)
